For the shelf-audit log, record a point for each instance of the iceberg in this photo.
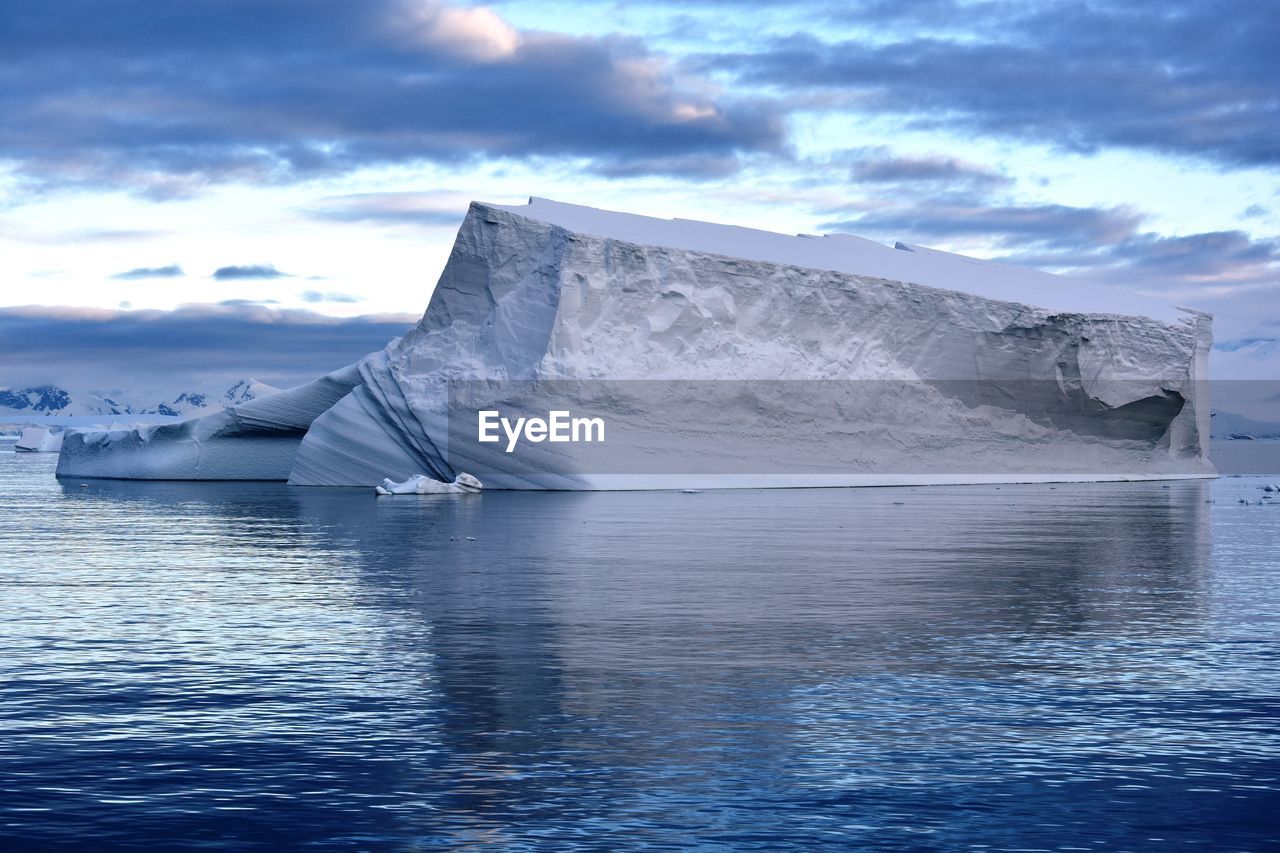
(719, 356)
(463, 484)
(38, 439)
(254, 440)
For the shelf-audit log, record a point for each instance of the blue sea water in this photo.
(249, 666)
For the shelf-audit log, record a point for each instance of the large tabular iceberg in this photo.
(721, 356)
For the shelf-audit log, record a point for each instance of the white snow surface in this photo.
(935, 353)
(39, 439)
(463, 484)
(850, 254)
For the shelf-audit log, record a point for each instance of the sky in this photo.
(195, 192)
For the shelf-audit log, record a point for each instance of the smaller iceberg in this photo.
(38, 439)
(463, 484)
(253, 440)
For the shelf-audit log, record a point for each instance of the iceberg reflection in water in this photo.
(244, 663)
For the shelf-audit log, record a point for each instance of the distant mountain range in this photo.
(52, 400)
(1229, 425)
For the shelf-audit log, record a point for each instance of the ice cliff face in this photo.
(724, 356)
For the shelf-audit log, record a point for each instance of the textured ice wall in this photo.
(524, 299)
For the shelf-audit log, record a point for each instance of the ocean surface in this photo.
(249, 666)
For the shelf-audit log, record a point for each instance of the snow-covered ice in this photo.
(39, 439)
(808, 360)
(463, 484)
(255, 440)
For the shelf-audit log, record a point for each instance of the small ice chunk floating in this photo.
(718, 356)
(463, 484)
(38, 439)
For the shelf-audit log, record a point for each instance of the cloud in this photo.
(246, 303)
(1053, 225)
(76, 236)
(476, 33)
(248, 271)
(1220, 256)
(194, 346)
(166, 100)
(427, 209)
(1248, 359)
(877, 166)
(935, 201)
(317, 296)
(1229, 271)
(1232, 274)
(108, 235)
(700, 166)
(171, 271)
(1183, 77)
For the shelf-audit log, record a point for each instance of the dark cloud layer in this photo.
(1228, 272)
(247, 271)
(940, 169)
(1215, 268)
(392, 208)
(170, 271)
(1052, 225)
(1184, 77)
(195, 346)
(165, 97)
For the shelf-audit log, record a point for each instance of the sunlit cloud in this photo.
(476, 32)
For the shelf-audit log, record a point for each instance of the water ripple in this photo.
(244, 665)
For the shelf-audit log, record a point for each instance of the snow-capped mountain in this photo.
(43, 399)
(1229, 425)
(184, 404)
(246, 390)
(51, 400)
